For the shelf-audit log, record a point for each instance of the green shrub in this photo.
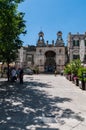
(72, 67)
(82, 73)
(75, 65)
(67, 69)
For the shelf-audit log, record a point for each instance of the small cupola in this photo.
(40, 41)
(59, 41)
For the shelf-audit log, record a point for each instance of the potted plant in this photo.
(82, 78)
(76, 80)
(75, 65)
(67, 72)
(72, 70)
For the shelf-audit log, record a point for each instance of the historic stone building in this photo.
(47, 57)
(50, 57)
(77, 46)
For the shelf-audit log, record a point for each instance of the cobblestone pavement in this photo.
(43, 102)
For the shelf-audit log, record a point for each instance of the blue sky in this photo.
(52, 16)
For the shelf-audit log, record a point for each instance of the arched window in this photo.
(75, 42)
(40, 51)
(40, 62)
(85, 42)
(59, 62)
(60, 51)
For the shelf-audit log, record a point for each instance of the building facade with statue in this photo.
(48, 57)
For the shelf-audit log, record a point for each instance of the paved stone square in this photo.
(43, 102)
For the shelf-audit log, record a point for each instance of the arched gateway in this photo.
(50, 63)
(45, 56)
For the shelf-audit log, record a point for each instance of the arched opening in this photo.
(50, 63)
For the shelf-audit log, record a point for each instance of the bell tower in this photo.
(59, 41)
(40, 41)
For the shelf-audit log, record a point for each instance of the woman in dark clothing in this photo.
(21, 76)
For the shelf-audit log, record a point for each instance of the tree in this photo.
(11, 26)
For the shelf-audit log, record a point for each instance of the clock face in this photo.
(82, 50)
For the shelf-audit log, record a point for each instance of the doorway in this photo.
(50, 63)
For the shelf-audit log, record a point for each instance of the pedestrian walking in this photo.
(55, 72)
(21, 76)
(18, 73)
(13, 74)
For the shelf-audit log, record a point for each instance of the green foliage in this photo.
(12, 1)
(82, 73)
(75, 65)
(36, 69)
(67, 69)
(11, 26)
(72, 67)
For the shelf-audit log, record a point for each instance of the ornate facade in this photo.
(50, 57)
(47, 57)
(77, 47)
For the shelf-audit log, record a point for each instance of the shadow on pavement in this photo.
(24, 105)
(46, 129)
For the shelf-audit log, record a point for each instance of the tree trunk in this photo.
(2, 69)
(8, 71)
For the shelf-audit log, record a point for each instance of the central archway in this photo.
(50, 63)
